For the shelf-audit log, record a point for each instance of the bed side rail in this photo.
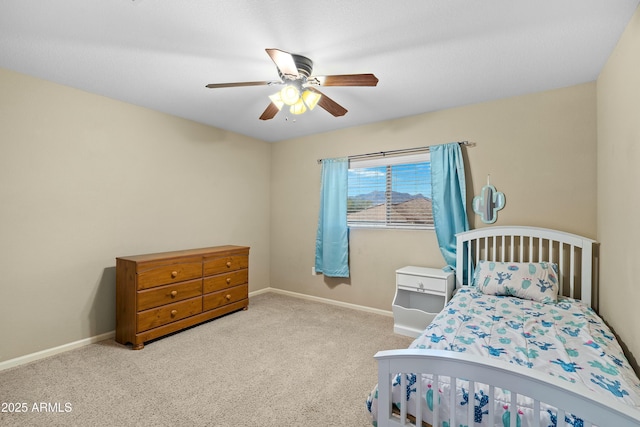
(567, 398)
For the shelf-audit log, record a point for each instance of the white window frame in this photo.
(390, 161)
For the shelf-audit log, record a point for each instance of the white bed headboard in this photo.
(574, 254)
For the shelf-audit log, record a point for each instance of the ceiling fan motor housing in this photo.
(303, 64)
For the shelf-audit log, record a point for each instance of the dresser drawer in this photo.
(227, 296)
(225, 264)
(166, 274)
(421, 283)
(167, 294)
(155, 317)
(223, 281)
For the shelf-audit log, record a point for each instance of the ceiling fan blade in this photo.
(348, 80)
(330, 105)
(270, 112)
(284, 61)
(238, 84)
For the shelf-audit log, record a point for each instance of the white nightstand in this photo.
(421, 293)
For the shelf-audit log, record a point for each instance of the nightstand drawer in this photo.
(421, 283)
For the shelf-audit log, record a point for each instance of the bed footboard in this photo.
(541, 389)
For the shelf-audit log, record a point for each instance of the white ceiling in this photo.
(428, 54)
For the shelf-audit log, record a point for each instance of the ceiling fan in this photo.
(300, 87)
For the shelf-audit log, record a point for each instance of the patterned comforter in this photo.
(566, 340)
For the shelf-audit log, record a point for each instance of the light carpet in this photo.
(284, 362)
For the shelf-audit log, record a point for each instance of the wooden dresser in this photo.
(157, 294)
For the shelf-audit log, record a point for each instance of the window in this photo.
(390, 192)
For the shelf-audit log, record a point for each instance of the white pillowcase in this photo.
(536, 281)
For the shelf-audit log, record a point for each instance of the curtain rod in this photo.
(402, 151)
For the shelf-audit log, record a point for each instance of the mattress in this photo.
(567, 340)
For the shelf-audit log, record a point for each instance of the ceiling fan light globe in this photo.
(276, 99)
(311, 98)
(290, 94)
(298, 107)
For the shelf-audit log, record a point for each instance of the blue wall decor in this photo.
(488, 203)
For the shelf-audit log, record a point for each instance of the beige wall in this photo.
(539, 149)
(619, 188)
(84, 179)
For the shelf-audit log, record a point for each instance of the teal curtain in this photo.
(332, 239)
(449, 196)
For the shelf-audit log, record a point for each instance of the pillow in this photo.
(536, 281)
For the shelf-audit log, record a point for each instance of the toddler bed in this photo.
(519, 344)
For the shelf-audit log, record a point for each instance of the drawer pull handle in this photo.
(228, 280)
(174, 274)
(228, 263)
(173, 294)
(228, 297)
(173, 313)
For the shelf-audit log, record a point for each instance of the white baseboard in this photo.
(111, 335)
(55, 350)
(259, 292)
(323, 300)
